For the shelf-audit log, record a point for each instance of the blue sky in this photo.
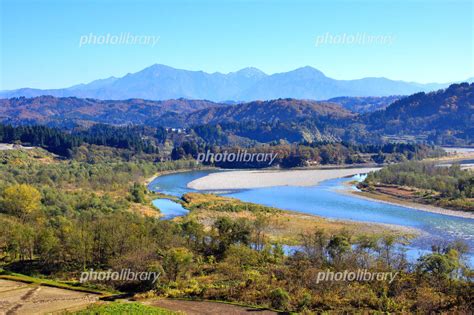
(426, 41)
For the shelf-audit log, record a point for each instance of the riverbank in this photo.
(282, 226)
(388, 199)
(148, 180)
(234, 180)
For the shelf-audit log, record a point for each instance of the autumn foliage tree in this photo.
(20, 200)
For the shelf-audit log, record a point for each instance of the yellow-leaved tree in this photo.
(20, 200)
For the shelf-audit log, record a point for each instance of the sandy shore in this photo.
(258, 179)
(407, 204)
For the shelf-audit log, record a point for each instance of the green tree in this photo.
(176, 262)
(137, 193)
(279, 298)
(439, 265)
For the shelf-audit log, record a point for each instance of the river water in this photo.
(330, 199)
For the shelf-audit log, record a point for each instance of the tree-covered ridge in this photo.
(445, 116)
(315, 153)
(253, 131)
(445, 186)
(268, 111)
(365, 104)
(66, 111)
(137, 139)
(54, 140)
(99, 141)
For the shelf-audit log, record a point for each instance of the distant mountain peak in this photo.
(250, 72)
(156, 68)
(309, 71)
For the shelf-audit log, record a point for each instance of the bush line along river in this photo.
(329, 199)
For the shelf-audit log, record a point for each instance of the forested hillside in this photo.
(445, 116)
(364, 104)
(442, 117)
(67, 111)
(136, 139)
(158, 144)
(269, 111)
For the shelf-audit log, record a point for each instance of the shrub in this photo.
(279, 298)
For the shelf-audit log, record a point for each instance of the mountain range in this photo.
(160, 82)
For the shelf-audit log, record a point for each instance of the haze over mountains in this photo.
(160, 82)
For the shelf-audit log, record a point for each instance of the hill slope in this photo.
(60, 111)
(364, 104)
(441, 116)
(268, 111)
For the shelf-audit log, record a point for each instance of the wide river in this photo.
(328, 199)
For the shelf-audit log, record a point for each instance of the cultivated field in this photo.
(23, 298)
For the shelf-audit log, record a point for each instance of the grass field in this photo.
(124, 308)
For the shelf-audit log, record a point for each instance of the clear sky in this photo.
(418, 40)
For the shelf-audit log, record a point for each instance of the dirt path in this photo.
(20, 298)
(206, 308)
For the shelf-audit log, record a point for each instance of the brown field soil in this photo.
(206, 308)
(23, 298)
